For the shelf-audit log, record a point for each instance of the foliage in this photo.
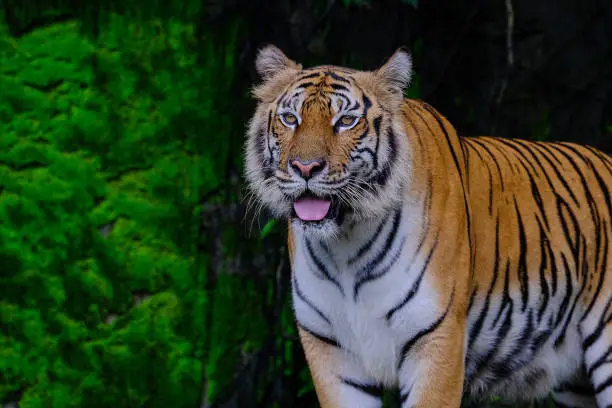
(107, 145)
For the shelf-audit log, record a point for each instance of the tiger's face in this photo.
(326, 144)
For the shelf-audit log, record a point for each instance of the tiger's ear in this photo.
(271, 60)
(395, 74)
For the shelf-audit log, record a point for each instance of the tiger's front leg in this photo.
(432, 367)
(340, 382)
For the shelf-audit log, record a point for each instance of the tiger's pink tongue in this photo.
(311, 209)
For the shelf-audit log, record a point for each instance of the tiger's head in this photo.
(327, 144)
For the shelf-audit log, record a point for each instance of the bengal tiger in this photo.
(440, 265)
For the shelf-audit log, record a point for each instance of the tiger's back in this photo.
(539, 228)
(542, 235)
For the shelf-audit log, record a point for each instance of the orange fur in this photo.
(489, 203)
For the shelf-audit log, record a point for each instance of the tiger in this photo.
(437, 265)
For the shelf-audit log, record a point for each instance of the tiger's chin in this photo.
(318, 217)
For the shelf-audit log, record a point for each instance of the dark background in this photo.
(132, 272)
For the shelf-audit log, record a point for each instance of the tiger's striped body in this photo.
(449, 265)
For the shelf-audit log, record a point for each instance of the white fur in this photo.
(600, 313)
(374, 345)
(360, 325)
(271, 60)
(397, 72)
(558, 366)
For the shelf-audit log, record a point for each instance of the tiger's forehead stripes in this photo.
(339, 94)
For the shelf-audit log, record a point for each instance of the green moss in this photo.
(106, 148)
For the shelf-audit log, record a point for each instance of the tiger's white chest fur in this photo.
(370, 292)
(350, 290)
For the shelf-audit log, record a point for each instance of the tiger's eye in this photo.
(347, 120)
(289, 119)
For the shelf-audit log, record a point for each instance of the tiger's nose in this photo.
(307, 169)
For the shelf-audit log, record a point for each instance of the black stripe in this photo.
(477, 327)
(571, 240)
(405, 395)
(376, 123)
(603, 321)
(543, 269)
(602, 185)
(553, 267)
(506, 298)
(367, 103)
(603, 386)
(305, 85)
(542, 337)
(366, 247)
(392, 147)
(511, 144)
(281, 97)
(327, 340)
(366, 131)
(287, 101)
(372, 390)
(415, 286)
(504, 152)
(561, 337)
(604, 189)
(483, 362)
(602, 274)
(377, 147)
(268, 133)
(309, 76)
(468, 143)
(337, 77)
(305, 299)
(355, 106)
(512, 362)
(546, 148)
(382, 271)
(522, 266)
(380, 178)
(605, 159)
(468, 215)
(266, 169)
(530, 174)
(446, 135)
(603, 359)
(367, 272)
(559, 148)
(369, 151)
(472, 297)
(321, 266)
(345, 102)
(568, 291)
(428, 330)
(537, 196)
(338, 87)
(494, 159)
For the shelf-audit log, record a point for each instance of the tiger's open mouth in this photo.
(312, 209)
